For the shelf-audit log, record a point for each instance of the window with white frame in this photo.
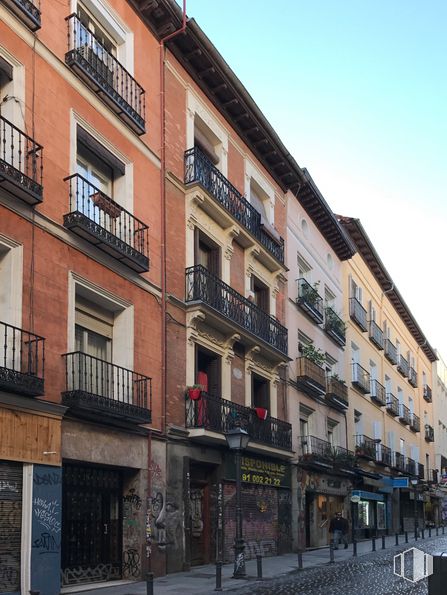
(356, 291)
(304, 269)
(11, 271)
(12, 91)
(329, 298)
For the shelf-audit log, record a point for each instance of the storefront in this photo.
(370, 514)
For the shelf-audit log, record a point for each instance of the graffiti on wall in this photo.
(131, 531)
(196, 497)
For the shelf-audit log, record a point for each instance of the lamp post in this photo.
(414, 483)
(237, 440)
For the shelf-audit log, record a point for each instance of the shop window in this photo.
(260, 395)
(207, 253)
(208, 371)
(260, 294)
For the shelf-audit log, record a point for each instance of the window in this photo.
(304, 427)
(11, 265)
(260, 395)
(93, 329)
(356, 291)
(208, 371)
(332, 428)
(402, 446)
(330, 365)
(400, 396)
(358, 423)
(373, 370)
(372, 311)
(206, 141)
(329, 298)
(260, 294)
(411, 405)
(207, 252)
(388, 385)
(92, 25)
(304, 269)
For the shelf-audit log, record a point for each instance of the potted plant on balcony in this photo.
(314, 354)
(194, 392)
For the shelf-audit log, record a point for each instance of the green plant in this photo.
(337, 378)
(314, 354)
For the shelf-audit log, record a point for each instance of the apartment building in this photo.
(390, 418)
(80, 284)
(318, 393)
(440, 428)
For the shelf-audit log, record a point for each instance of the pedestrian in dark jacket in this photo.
(339, 528)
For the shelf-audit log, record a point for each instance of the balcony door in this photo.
(97, 178)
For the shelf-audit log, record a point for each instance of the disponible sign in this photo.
(260, 471)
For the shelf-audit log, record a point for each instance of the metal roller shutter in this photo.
(11, 475)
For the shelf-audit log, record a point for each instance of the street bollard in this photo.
(406, 536)
(354, 549)
(383, 542)
(331, 553)
(218, 576)
(300, 560)
(437, 531)
(443, 529)
(397, 538)
(373, 544)
(34, 592)
(437, 580)
(149, 583)
(259, 567)
(423, 534)
(429, 531)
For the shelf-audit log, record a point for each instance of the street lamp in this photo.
(414, 483)
(237, 440)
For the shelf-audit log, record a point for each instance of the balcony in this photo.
(378, 393)
(311, 378)
(427, 394)
(412, 377)
(358, 314)
(390, 352)
(337, 393)
(432, 476)
(20, 163)
(392, 404)
(219, 415)
(415, 423)
(22, 360)
(335, 327)
(384, 455)
(231, 306)
(376, 335)
(421, 471)
(412, 467)
(310, 301)
(99, 390)
(199, 169)
(102, 72)
(404, 414)
(429, 433)
(28, 11)
(365, 447)
(104, 223)
(361, 379)
(315, 452)
(399, 462)
(402, 366)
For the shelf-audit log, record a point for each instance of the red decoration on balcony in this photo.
(261, 413)
(194, 393)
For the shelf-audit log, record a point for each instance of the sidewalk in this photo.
(201, 580)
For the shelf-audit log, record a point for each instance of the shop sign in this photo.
(259, 471)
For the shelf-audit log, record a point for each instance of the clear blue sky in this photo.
(357, 91)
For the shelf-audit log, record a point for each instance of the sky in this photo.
(357, 91)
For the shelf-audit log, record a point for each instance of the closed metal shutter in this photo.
(10, 526)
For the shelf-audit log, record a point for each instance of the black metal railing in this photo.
(376, 334)
(203, 286)
(429, 433)
(107, 224)
(402, 366)
(390, 352)
(378, 392)
(432, 475)
(399, 461)
(411, 466)
(412, 377)
(198, 168)
(427, 393)
(105, 75)
(384, 455)
(421, 471)
(310, 300)
(22, 361)
(27, 11)
(219, 415)
(365, 447)
(392, 404)
(21, 166)
(335, 327)
(358, 313)
(361, 378)
(103, 388)
(415, 423)
(337, 392)
(404, 414)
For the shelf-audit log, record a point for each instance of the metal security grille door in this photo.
(10, 526)
(91, 525)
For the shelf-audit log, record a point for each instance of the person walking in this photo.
(339, 528)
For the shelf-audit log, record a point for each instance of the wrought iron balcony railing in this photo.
(358, 313)
(310, 301)
(313, 450)
(376, 334)
(429, 433)
(392, 404)
(337, 393)
(365, 447)
(421, 471)
(199, 169)
(105, 75)
(378, 393)
(427, 393)
(20, 163)
(335, 327)
(361, 378)
(311, 378)
(412, 467)
(22, 361)
(404, 414)
(399, 461)
(384, 455)
(28, 11)
(415, 423)
(402, 366)
(219, 415)
(390, 352)
(412, 377)
(432, 475)
(203, 286)
(103, 222)
(101, 389)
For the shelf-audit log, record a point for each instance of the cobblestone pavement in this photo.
(372, 574)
